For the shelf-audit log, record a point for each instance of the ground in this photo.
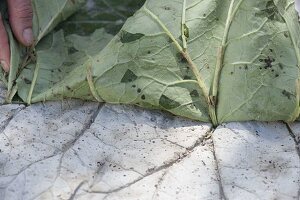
(78, 150)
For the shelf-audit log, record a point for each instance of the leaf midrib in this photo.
(212, 94)
(221, 53)
(186, 55)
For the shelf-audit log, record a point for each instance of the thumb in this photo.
(20, 18)
(4, 47)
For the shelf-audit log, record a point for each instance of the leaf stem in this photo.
(183, 26)
(192, 65)
(220, 54)
(211, 106)
(89, 76)
(11, 94)
(164, 28)
(34, 79)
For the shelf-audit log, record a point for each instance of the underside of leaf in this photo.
(208, 60)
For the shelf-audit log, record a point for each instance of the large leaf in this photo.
(208, 60)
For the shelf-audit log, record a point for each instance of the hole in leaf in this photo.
(72, 50)
(168, 103)
(129, 76)
(287, 94)
(127, 37)
(194, 93)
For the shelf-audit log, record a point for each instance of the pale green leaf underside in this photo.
(208, 60)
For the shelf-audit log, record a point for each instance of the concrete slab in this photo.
(257, 161)
(79, 150)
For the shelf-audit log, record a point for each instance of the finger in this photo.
(4, 47)
(20, 18)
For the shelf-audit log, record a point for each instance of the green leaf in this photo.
(213, 61)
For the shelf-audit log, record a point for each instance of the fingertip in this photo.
(28, 36)
(4, 65)
(4, 47)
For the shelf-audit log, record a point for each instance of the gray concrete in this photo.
(76, 150)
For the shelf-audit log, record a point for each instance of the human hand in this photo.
(20, 19)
